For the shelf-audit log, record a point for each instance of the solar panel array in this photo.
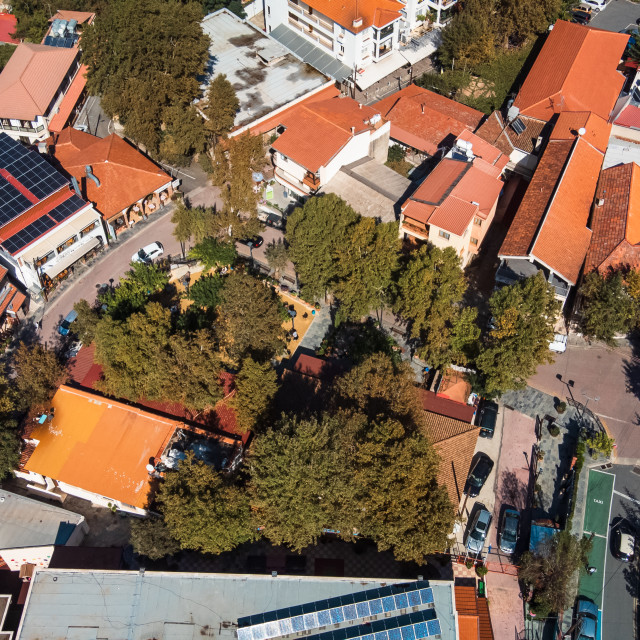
(67, 208)
(32, 231)
(321, 613)
(31, 170)
(67, 43)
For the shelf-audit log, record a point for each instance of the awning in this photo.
(73, 256)
(57, 123)
(378, 70)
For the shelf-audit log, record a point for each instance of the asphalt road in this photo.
(618, 15)
(621, 580)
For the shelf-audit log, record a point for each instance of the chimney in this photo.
(357, 22)
(353, 131)
(600, 200)
(422, 107)
(360, 104)
(90, 175)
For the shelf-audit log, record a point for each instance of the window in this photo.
(444, 234)
(66, 244)
(88, 229)
(474, 241)
(477, 221)
(45, 259)
(341, 48)
(268, 11)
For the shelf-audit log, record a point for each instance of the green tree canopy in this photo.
(428, 294)
(221, 107)
(523, 315)
(151, 538)
(144, 58)
(213, 253)
(316, 232)
(551, 571)
(203, 511)
(38, 374)
(246, 155)
(184, 135)
(256, 386)
(86, 322)
(277, 255)
(608, 306)
(249, 319)
(206, 291)
(9, 441)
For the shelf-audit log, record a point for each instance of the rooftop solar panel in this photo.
(67, 208)
(27, 235)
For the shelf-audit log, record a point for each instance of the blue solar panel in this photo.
(388, 603)
(285, 626)
(311, 621)
(324, 618)
(402, 602)
(426, 596)
(258, 632)
(434, 627)
(337, 615)
(362, 608)
(67, 208)
(272, 629)
(297, 623)
(382, 635)
(408, 634)
(414, 598)
(375, 606)
(420, 630)
(244, 634)
(395, 634)
(27, 235)
(350, 612)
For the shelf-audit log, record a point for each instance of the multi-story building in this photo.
(45, 226)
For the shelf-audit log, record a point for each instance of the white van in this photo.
(595, 5)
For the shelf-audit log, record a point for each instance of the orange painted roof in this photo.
(125, 174)
(439, 183)
(7, 26)
(488, 158)
(564, 238)
(574, 71)
(69, 101)
(468, 627)
(31, 79)
(100, 445)
(570, 122)
(423, 119)
(316, 132)
(469, 604)
(377, 13)
(616, 224)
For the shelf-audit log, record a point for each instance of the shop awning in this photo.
(378, 70)
(57, 123)
(73, 257)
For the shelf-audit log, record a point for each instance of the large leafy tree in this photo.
(144, 58)
(316, 232)
(221, 107)
(551, 570)
(365, 267)
(608, 306)
(523, 317)
(256, 386)
(246, 155)
(38, 374)
(212, 253)
(249, 319)
(151, 538)
(9, 441)
(206, 291)
(204, 511)
(428, 294)
(277, 255)
(184, 135)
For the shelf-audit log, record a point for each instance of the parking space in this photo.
(617, 15)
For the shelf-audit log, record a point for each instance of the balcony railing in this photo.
(312, 181)
(415, 229)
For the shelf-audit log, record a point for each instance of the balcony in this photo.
(312, 181)
(415, 229)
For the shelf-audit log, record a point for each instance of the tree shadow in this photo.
(631, 368)
(513, 491)
(631, 571)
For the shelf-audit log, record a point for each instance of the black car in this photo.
(580, 17)
(253, 243)
(478, 475)
(488, 418)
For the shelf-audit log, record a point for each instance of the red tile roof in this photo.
(469, 604)
(376, 13)
(125, 174)
(597, 130)
(616, 224)
(439, 183)
(574, 71)
(423, 119)
(57, 123)
(316, 132)
(8, 24)
(496, 131)
(31, 79)
(629, 117)
(445, 407)
(488, 157)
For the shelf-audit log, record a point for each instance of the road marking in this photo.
(624, 495)
(604, 567)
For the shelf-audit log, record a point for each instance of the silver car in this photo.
(149, 253)
(477, 532)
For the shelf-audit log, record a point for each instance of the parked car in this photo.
(478, 475)
(595, 5)
(65, 325)
(275, 221)
(488, 418)
(559, 344)
(477, 532)
(509, 531)
(623, 544)
(587, 619)
(149, 253)
(580, 17)
(253, 243)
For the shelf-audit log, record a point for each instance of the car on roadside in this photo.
(252, 243)
(65, 325)
(586, 620)
(581, 17)
(477, 532)
(559, 343)
(509, 531)
(149, 253)
(623, 543)
(478, 475)
(487, 419)
(595, 5)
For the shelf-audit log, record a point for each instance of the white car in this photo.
(149, 253)
(559, 344)
(595, 5)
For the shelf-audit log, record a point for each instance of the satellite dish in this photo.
(150, 468)
(581, 131)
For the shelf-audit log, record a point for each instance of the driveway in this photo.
(606, 380)
(618, 15)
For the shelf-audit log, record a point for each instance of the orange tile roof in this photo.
(100, 445)
(597, 130)
(468, 627)
(616, 224)
(316, 132)
(56, 124)
(564, 238)
(496, 131)
(469, 604)
(125, 174)
(446, 407)
(489, 158)
(31, 79)
(574, 71)
(423, 119)
(376, 13)
(439, 183)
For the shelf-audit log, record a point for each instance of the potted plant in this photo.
(561, 407)
(554, 430)
(469, 564)
(482, 571)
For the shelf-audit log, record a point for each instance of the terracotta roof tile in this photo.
(373, 12)
(433, 403)
(616, 224)
(439, 183)
(574, 71)
(629, 117)
(125, 174)
(487, 155)
(468, 627)
(469, 604)
(495, 131)
(424, 120)
(31, 79)
(597, 130)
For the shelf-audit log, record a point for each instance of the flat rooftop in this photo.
(29, 523)
(264, 74)
(111, 605)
